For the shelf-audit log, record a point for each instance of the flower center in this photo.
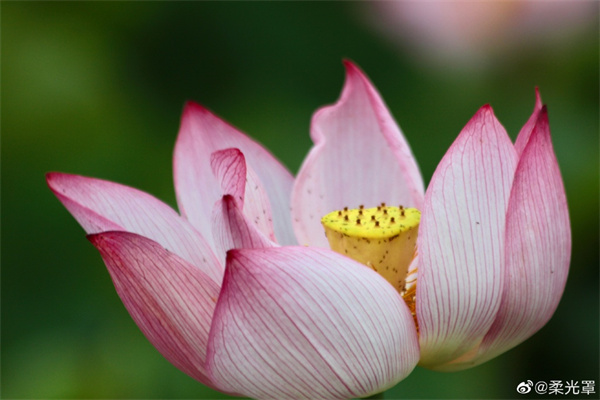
(383, 238)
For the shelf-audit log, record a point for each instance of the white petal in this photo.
(100, 205)
(297, 322)
(538, 246)
(241, 182)
(233, 230)
(201, 134)
(171, 301)
(359, 157)
(461, 241)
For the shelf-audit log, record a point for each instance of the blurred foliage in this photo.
(96, 88)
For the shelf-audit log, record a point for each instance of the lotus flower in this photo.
(226, 295)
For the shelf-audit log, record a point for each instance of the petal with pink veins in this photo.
(233, 230)
(229, 167)
(538, 246)
(170, 300)
(461, 241)
(238, 180)
(100, 205)
(298, 322)
(526, 130)
(200, 135)
(359, 156)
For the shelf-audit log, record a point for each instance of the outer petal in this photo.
(538, 246)
(461, 241)
(201, 134)
(525, 132)
(300, 322)
(239, 180)
(359, 157)
(100, 205)
(171, 301)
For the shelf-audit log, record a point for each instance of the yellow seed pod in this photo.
(383, 238)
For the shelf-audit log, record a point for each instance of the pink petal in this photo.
(538, 246)
(240, 181)
(359, 157)
(461, 241)
(233, 230)
(229, 167)
(300, 322)
(100, 205)
(170, 300)
(525, 132)
(201, 134)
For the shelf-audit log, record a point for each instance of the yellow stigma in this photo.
(383, 238)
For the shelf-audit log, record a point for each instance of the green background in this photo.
(97, 89)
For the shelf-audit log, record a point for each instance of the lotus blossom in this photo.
(225, 293)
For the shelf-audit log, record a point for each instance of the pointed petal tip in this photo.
(191, 108)
(485, 115)
(192, 105)
(354, 71)
(229, 200)
(60, 182)
(353, 74)
(486, 108)
(485, 111)
(538, 98)
(50, 175)
(350, 65)
(231, 255)
(53, 178)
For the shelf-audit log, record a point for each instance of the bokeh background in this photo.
(97, 88)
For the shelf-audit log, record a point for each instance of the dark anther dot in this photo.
(392, 220)
(376, 223)
(345, 208)
(372, 218)
(358, 221)
(346, 218)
